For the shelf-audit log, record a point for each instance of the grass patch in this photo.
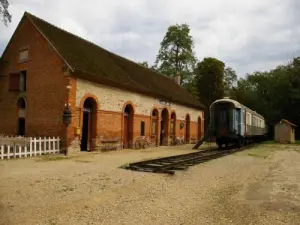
(82, 161)
(297, 142)
(269, 142)
(259, 151)
(124, 166)
(257, 155)
(47, 158)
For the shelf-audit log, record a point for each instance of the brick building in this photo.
(44, 67)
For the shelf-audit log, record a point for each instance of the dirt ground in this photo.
(256, 186)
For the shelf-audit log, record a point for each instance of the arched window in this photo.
(21, 116)
(173, 124)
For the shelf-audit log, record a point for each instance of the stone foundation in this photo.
(75, 145)
(107, 144)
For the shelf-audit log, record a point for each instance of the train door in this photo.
(241, 127)
(236, 120)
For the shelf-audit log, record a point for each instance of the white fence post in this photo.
(18, 147)
(25, 151)
(45, 145)
(57, 147)
(34, 144)
(40, 146)
(8, 151)
(2, 151)
(30, 147)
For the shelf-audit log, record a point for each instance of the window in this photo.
(173, 122)
(23, 56)
(14, 82)
(248, 118)
(17, 81)
(223, 115)
(142, 128)
(23, 80)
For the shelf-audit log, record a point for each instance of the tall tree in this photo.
(176, 54)
(230, 79)
(209, 80)
(6, 16)
(275, 94)
(209, 83)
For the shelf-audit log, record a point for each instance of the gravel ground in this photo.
(256, 186)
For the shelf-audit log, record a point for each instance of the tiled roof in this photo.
(97, 64)
(288, 122)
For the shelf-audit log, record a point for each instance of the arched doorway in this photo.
(187, 129)
(21, 116)
(154, 126)
(164, 125)
(199, 128)
(173, 125)
(89, 124)
(128, 126)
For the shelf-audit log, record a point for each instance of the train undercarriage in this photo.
(239, 141)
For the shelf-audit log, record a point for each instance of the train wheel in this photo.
(238, 143)
(226, 145)
(219, 146)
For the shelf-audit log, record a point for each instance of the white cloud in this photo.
(246, 35)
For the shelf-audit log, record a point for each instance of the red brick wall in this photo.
(46, 93)
(110, 125)
(45, 84)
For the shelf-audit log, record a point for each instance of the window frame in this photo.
(24, 49)
(142, 133)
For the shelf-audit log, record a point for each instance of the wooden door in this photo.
(125, 130)
(199, 129)
(84, 138)
(89, 142)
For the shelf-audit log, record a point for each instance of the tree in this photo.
(6, 16)
(230, 79)
(275, 94)
(209, 83)
(144, 63)
(176, 54)
(209, 80)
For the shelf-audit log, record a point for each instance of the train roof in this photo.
(236, 104)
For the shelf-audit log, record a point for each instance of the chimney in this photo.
(177, 78)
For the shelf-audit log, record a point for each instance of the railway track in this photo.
(180, 162)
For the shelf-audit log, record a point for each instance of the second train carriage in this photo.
(232, 122)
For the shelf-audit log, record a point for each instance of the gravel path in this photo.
(257, 186)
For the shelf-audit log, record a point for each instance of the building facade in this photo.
(115, 103)
(285, 132)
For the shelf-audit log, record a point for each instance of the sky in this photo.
(248, 35)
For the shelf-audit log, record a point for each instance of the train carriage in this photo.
(234, 123)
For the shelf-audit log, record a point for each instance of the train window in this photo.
(250, 120)
(223, 115)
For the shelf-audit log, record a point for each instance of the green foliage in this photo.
(176, 53)
(209, 80)
(274, 94)
(230, 79)
(209, 75)
(6, 16)
(144, 63)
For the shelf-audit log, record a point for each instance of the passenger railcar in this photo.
(234, 123)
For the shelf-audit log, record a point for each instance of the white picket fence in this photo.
(16, 147)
